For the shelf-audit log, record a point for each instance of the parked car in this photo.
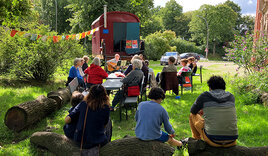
(190, 54)
(164, 58)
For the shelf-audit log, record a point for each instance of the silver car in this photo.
(164, 58)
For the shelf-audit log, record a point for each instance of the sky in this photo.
(247, 6)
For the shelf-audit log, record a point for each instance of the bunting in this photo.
(55, 39)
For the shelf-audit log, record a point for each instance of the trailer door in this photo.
(132, 38)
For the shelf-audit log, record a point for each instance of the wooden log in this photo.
(20, 116)
(134, 146)
(200, 148)
(55, 143)
(62, 96)
(61, 145)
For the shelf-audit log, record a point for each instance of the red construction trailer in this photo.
(121, 36)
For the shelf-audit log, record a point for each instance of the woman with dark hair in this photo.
(93, 114)
(150, 116)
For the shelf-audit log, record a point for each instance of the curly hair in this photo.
(216, 82)
(97, 97)
(156, 93)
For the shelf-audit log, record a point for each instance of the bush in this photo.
(185, 46)
(155, 46)
(158, 43)
(36, 60)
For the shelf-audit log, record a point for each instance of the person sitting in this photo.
(93, 115)
(85, 65)
(134, 78)
(112, 65)
(184, 68)
(213, 115)
(74, 72)
(95, 74)
(69, 128)
(151, 72)
(144, 69)
(170, 68)
(192, 64)
(81, 71)
(150, 115)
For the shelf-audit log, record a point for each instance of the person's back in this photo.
(93, 114)
(149, 117)
(170, 68)
(215, 113)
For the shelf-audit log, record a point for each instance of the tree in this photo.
(171, 13)
(183, 25)
(12, 10)
(47, 14)
(221, 22)
(85, 12)
(236, 8)
(247, 24)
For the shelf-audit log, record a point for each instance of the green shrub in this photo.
(37, 60)
(185, 46)
(156, 45)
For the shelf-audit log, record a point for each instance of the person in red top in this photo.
(95, 74)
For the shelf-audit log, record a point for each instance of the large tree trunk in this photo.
(200, 148)
(25, 114)
(60, 145)
(62, 96)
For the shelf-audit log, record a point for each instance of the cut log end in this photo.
(15, 118)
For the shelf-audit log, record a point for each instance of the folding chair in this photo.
(200, 73)
(184, 75)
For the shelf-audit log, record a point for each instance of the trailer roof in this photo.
(115, 12)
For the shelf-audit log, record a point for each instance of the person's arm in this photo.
(103, 74)
(73, 114)
(128, 78)
(198, 104)
(166, 122)
(72, 72)
(137, 115)
(180, 71)
(129, 69)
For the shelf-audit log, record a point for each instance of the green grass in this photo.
(252, 119)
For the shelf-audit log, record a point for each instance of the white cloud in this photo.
(189, 5)
(250, 2)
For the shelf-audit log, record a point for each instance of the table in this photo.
(114, 84)
(113, 76)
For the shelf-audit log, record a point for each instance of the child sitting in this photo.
(150, 116)
(69, 129)
(184, 68)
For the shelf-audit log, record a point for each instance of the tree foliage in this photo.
(172, 12)
(85, 12)
(12, 10)
(221, 22)
(37, 60)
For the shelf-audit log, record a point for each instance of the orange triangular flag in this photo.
(83, 35)
(67, 37)
(20, 33)
(55, 39)
(88, 33)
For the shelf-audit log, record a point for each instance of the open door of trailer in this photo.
(126, 37)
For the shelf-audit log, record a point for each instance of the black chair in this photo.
(200, 73)
(186, 74)
(169, 81)
(133, 101)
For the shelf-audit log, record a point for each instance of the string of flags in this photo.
(55, 39)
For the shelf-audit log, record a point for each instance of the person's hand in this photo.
(172, 135)
(201, 112)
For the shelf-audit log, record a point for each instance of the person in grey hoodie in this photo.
(213, 115)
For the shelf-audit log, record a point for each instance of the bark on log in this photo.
(62, 96)
(55, 143)
(200, 148)
(20, 116)
(129, 146)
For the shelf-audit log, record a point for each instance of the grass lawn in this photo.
(252, 119)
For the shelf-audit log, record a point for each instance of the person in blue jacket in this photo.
(74, 72)
(93, 117)
(150, 116)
